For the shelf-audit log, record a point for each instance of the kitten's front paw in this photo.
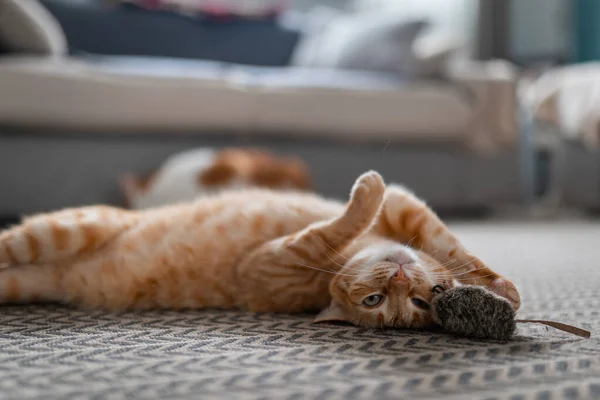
(505, 288)
(368, 191)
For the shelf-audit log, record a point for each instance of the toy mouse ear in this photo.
(335, 312)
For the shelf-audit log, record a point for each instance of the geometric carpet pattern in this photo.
(55, 352)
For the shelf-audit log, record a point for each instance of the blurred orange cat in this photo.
(194, 173)
(373, 261)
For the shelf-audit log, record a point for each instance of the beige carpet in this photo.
(51, 352)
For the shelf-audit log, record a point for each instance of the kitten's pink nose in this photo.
(400, 276)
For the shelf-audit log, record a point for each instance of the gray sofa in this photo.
(71, 124)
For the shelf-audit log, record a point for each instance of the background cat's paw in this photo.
(505, 288)
(368, 191)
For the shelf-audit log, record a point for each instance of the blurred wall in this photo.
(541, 29)
(586, 21)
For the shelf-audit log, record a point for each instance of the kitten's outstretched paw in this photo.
(367, 192)
(505, 288)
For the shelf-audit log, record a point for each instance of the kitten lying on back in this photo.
(193, 173)
(370, 262)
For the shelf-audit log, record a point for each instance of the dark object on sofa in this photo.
(93, 27)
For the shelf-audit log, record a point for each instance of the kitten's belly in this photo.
(246, 219)
(190, 251)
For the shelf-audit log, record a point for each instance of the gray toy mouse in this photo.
(476, 312)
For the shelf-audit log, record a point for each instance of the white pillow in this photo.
(26, 26)
(314, 28)
(365, 41)
(435, 51)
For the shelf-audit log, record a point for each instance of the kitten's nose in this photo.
(405, 273)
(400, 276)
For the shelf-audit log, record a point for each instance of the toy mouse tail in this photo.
(560, 326)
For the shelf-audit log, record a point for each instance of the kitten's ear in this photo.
(219, 173)
(334, 313)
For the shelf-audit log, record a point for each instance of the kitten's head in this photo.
(386, 284)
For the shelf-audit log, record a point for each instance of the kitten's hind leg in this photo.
(284, 274)
(30, 284)
(52, 237)
(409, 220)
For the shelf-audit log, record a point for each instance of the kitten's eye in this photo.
(437, 289)
(420, 303)
(373, 300)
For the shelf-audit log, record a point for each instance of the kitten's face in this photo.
(386, 284)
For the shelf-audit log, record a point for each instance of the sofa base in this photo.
(581, 177)
(47, 171)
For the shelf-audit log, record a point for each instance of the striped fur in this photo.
(63, 234)
(257, 249)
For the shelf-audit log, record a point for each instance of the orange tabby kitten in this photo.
(370, 262)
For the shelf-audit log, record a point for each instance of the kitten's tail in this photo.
(52, 237)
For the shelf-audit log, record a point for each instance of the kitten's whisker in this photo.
(359, 267)
(332, 249)
(457, 267)
(477, 277)
(324, 270)
(462, 266)
(469, 279)
(354, 267)
(335, 262)
(441, 265)
(438, 268)
(454, 275)
(465, 273)
(448, 263)
(410, 241)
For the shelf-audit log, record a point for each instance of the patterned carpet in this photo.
(51, 352)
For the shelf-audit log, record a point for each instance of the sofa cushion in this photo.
(157, 94)
(354, 104)
(371, 41)
(26, 26)
(435, 51)
(98, 95)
